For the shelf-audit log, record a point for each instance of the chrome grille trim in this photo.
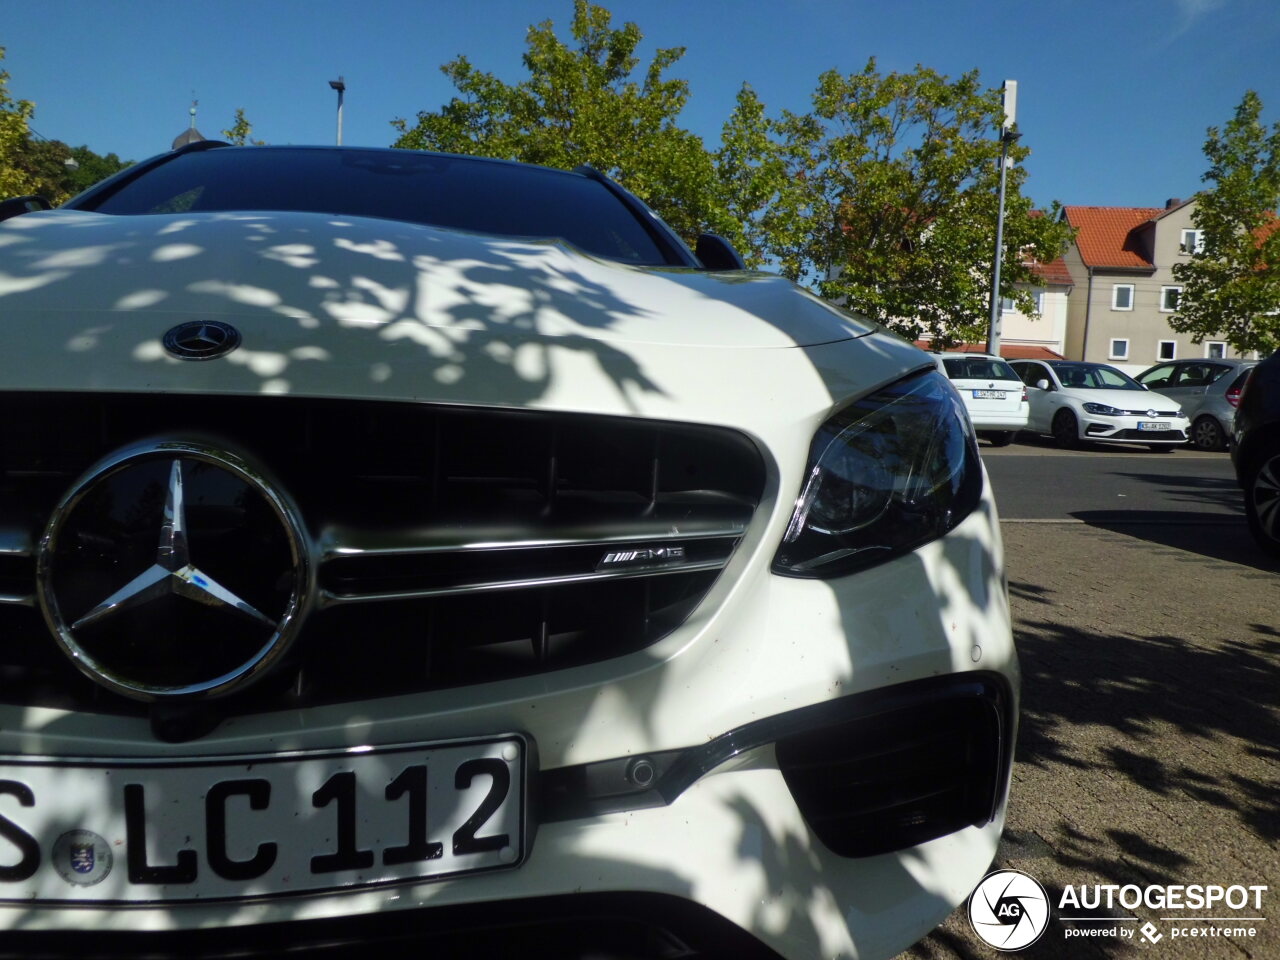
(335, 543)
(328, 598)
(453, 545)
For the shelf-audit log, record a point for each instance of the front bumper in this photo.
(734, 839)
(1127, 429)
(1012, 420)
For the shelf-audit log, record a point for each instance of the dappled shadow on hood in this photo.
(432, 310)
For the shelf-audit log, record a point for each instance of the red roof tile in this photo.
(1010, 351)
(1103, 234)
(1055, 272)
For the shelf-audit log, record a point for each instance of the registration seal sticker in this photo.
(82, 857)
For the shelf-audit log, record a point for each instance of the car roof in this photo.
(221, 146)
(1224, 361)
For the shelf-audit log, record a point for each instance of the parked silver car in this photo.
(1207, 390)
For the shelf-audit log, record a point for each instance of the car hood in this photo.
(1141, 400)
(342, 307)
(316, 269)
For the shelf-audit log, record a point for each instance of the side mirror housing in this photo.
(20, 205)
(714, 252)
(1043, 384)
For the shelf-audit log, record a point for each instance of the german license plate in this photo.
(1151, 425)
(142, 831)
(988, 394)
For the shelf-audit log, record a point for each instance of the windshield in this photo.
(1094, 376)
(978, 368)
(457, 192)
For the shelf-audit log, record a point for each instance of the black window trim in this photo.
(89, 199)
(673, 249)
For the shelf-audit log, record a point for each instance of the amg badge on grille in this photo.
(642, 557)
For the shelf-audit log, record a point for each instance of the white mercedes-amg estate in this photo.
(419, 553)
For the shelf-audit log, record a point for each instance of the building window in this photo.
(1169, 297)
(1119, 350)
(1007, 305)
(1122, 296)
(1192, 241)
(1168, 350)
(1215, 350)
(1039, 298)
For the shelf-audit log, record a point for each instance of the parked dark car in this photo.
(1256, 452)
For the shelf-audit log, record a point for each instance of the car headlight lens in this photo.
(890, 472)
(1102, 409)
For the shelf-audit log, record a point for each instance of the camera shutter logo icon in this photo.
(1009, 910)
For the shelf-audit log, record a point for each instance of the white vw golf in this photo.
(1076, 401)
(425, 551)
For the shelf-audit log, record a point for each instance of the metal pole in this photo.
(341, 86)
(993, 326)
(1009, 98)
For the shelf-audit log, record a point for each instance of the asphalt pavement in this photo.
(1034, 481)
(1148, 626)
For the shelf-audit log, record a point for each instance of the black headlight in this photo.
(1102, 409)
(890, 472)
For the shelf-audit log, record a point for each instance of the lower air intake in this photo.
(925, 760)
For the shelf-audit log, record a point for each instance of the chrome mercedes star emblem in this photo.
(201, 340)
(173, 571)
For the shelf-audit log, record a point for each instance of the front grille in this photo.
(1146, 436)
(454, 545)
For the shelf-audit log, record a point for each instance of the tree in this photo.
(15, 181)
(49, 168)
(583, 104)
(91, 168)
(1231, 286)
(884, 197)
(240, 130)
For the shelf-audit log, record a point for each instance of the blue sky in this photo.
(1114, 95)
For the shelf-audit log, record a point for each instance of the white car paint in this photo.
(1007, 412)
(1136, 408)
(373, 309)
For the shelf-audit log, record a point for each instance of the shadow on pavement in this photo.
(1149, 749)
(1037, 442)
(1196, 491)
(1206, 535)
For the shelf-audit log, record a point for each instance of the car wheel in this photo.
(1206, 434)
(1000, 438)
(1262, 503)
(1065, 429)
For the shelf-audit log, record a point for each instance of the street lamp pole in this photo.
(341, 87)
(1007, 136)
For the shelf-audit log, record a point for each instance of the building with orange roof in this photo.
(1024, 336)
(1124, 293)
(1037, 336)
